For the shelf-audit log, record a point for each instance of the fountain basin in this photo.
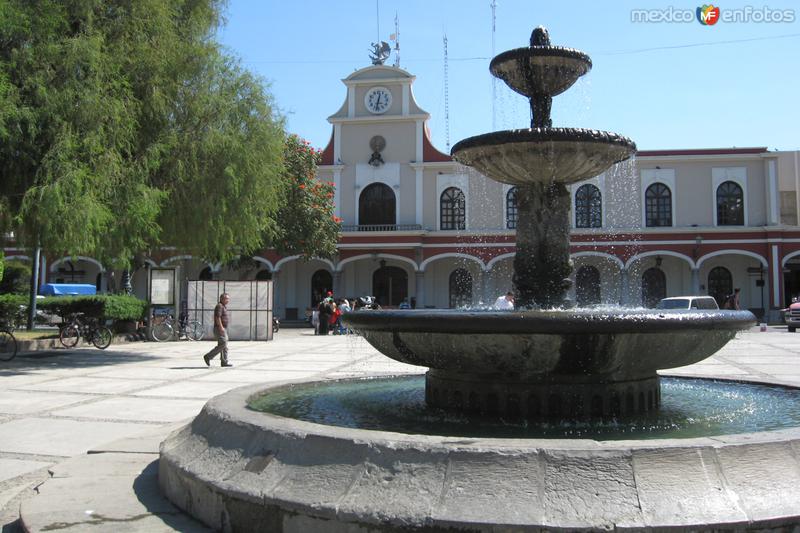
(240, 470)
(546, 363)
(548, 70)
(543, 155)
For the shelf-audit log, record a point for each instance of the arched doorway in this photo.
(376, 205)
(587, 286)
(654, 286)
(321, 283)
(720, 284)
(460, 288)
(264, 275)
(389, 285)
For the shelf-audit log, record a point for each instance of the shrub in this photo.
(16, 278)
(103, 306)
(13, 308)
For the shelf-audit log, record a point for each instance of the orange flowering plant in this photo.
(307, 224)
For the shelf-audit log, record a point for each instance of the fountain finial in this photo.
(540, 36)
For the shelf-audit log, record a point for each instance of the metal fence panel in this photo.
(249, 311)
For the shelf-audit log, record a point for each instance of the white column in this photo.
(695, 281)
(406, 98)
(419, 278)
(772, 194)
(277, 301)
(337, 192)
(418, 199)
(624, 284)
(337, 284)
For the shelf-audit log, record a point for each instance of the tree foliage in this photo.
(125, 126)
(308, 224)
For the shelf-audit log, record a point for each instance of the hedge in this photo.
(14, 307)
(104, 306)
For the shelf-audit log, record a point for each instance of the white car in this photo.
(688, 302)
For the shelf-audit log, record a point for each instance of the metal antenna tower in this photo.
(446, 99)
(396, 39)
(493, 5)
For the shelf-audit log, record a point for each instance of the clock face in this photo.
(378, 100)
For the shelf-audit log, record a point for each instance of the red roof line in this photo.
(327, 153)
(703, 151)
(429, 152)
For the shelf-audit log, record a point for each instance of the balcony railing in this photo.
(382, 227)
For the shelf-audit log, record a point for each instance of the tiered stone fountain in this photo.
(237, 469)
(543, 361)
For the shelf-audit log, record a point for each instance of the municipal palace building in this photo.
(418, 226)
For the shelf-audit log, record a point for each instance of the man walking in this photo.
(220, 332)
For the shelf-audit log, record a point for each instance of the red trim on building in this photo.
(327, 153)
(429, 153)
(702, 151)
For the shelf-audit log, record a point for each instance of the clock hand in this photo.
(378, 102)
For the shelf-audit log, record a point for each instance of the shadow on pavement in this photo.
(74, 358)
(145, 486)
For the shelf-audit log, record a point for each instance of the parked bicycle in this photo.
(165, 329)
(8, 344)
(87, 327)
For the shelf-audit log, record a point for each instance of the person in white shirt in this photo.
(505, 301)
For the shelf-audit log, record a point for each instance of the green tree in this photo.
(125, 126)
(308, 224)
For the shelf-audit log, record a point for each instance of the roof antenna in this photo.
(493, 5)
(446, 98)
(395, 37)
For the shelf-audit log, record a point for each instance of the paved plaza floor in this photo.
(88, 418)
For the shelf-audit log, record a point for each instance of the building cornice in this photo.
(379, 118)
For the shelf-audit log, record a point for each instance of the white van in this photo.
(688, 302)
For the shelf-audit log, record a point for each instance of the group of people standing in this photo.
(326, 317)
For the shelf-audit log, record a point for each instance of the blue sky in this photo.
(664, 85)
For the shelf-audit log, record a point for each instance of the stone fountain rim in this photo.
(541, 135)
(211, 469)
(540, 51)
(546, 322)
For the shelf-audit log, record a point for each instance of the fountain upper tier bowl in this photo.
(525, 344)
(543, 155)
(545, 70)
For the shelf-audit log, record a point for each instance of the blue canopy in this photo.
(67, 289)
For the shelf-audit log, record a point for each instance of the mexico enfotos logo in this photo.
(710, 14)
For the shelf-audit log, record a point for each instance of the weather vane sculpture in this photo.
(380, 53)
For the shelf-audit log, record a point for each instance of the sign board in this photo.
(162, 286)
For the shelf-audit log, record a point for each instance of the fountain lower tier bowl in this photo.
(236, 469)
(578, 363)
(543, 155)
(546, 70)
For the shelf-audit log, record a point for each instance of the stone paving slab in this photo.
(20, 403)
(135, 409)
(59, 437)
(11, 468)
(89, 385)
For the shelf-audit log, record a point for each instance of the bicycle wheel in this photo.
(162, 332)
(101, 337)
(195, 330)
(70, 335)
(8, 346)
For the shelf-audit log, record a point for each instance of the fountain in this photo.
(341, 467)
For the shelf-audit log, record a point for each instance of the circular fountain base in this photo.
(236, 469)
(555, 397)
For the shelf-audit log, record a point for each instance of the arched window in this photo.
(588, 207)
(658, 206)
(587, 286)
(720, 284)
(376, 205)
(264, 275)
(205, 274)
(511, 208)
(460, 288)
(321, 283)
(654, 286)
(452, 210)
(390, 285)
(730, 204)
